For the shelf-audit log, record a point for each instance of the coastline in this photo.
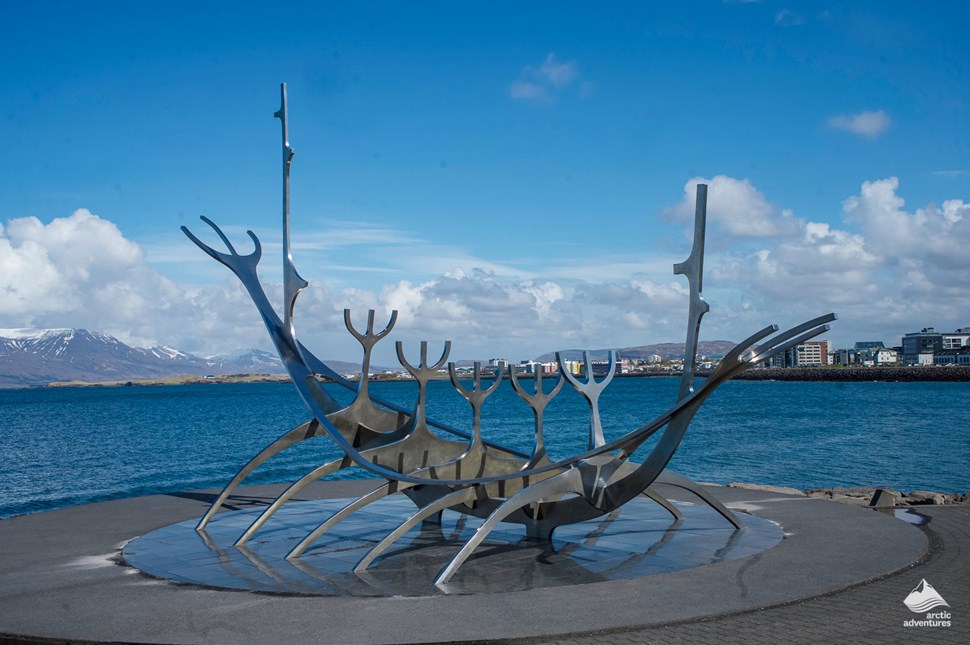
(183, 379)
(912, 374)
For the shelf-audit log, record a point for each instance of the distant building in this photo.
(573, 367)
(600, 368)
(959, 356)
(919, 347)
(886, 356)
(782, 359)
(846, 357)
(957, 339)
(812, 354)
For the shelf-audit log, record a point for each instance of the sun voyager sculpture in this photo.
(465, 473)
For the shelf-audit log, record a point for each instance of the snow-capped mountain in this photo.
(250, 361)
(30, 357)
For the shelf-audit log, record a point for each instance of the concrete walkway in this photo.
(839, 576)
(868, 613)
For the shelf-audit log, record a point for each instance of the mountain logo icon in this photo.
(924, 598)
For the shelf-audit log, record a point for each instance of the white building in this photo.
(812, 354)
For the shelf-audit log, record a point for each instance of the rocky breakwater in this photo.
(837, 373)
(867, 495)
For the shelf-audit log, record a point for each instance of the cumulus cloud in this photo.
(736, 206)
(932, 238)
(542, 84)
(870, 125)
(80, 271)
(898, 271)
(884, 267)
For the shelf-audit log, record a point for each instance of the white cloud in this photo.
(736, 206)
(788, 18)
(865, 124)
(541, 85)
(528, 91)
(80, 271)
(932, 238)
(900, 272)
(558, 74)
(884, 268)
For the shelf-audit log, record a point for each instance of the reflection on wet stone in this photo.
(638, 540)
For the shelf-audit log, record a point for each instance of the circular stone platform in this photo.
(62, 576)
(640, 539)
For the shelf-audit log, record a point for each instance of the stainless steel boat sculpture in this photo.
(466, 473)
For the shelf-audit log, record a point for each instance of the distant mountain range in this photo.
(36, 357)
(30, 358)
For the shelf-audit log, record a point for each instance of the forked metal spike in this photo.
(538, 402)
(591, 390)
(367, 340)
(475, 396)
(422, 374)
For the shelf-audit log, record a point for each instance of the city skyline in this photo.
(514, 179)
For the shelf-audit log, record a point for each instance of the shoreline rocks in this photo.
(867, 495)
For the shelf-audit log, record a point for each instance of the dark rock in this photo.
(884, 498)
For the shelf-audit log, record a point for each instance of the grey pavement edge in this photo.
(60, 580)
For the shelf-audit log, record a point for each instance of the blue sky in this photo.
(512, 178)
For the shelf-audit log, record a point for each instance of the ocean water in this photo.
(71, 446)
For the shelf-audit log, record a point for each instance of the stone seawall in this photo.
(864, 495)
(942, 373)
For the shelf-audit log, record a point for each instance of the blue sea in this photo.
(76, 445)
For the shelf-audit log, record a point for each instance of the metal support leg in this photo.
(379, 493)
(296, 487)
(567, 482)
(451, 499)
(294, 436)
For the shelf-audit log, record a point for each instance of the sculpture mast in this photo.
(693, 269)
(293, 284)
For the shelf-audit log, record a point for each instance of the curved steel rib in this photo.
(565, 482)
(382, 491)
(461, 496)
(293, 437)
(286, 495)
